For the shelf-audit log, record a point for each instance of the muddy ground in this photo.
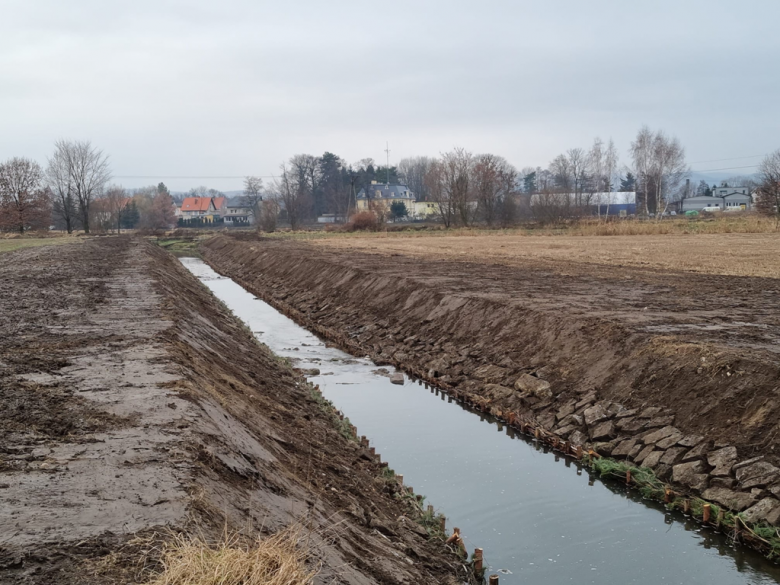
(133, 406)
(657, 364)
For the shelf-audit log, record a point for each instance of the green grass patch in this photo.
(11, 244)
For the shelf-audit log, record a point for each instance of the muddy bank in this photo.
(648, 379)
(132, 403)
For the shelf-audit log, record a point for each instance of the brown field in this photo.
(733, 254)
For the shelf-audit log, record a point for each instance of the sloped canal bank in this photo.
(539, 517)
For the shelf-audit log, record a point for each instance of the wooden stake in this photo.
(686, 506)
(493, 579)
(667, 495)
(400, 479)
(705, 513)
(579, 451)
(443, 524)
(721, 514)
(430, 510)
(454, 536)
(628, 477)
(477, 559)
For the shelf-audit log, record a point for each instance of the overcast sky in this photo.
(233, 87)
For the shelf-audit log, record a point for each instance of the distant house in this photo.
(237, 212)
(725, 198)
(386, 195)
(220, 205)
(424, 210)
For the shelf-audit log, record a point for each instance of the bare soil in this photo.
(133, 405)
(586, 316)
(731, 254)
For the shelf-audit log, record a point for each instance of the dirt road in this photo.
(132, 403)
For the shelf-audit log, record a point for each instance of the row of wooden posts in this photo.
(455, 537)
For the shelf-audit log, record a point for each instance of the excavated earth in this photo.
(673, 370)
(134, 406)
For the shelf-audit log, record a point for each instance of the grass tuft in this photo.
(275, 560)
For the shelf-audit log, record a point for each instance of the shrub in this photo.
(363, 221)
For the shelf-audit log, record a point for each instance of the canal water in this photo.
(540, 518)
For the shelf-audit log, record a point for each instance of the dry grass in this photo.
(10, 242)
(735, 254)
(275, 560)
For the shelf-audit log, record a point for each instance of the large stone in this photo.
(586, 400)
(650, 412)
(626, 413)
(535, 386)
(699, 451)
(673, 455)
(492, 391)
(653, 437)
(624, 448)
(722, 460)
(736, 501)
(629, 425)
(642, 455)
(652, 459)
(605, 447)
(491, 374)
(669, 441)
(747, 462)
(565, 411)
(758, 474)
(661, 421)
(635, 451)
(690, 474)
(690, 440)
(761, 510)
(724, 482)
(578, 438)
(565, 431)
(595, 414)
(604, 430)
(397, 379)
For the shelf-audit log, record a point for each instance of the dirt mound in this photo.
(638, 350)
(133, 404)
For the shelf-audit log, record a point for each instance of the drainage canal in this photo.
(540, 518)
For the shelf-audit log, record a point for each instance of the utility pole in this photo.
(387, 150)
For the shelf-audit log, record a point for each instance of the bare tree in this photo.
(253, 197)
(24, 202)
(596, 164)
(768, 192)
(456, 173)
(60, 182)
(611, 162)
(642, 156)
(293, 192)
(494, 185)
(412, 171)
(434, 182)
(669, 170)
(116, 199)
(88, 170)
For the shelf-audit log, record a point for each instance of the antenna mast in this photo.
(387, 150)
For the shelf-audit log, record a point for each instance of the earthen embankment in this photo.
(623, 361)
(134, 406)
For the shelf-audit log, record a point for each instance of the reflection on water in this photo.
(541, 517)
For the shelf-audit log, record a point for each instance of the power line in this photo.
(725, 159)
(189, 177)
(723, 169)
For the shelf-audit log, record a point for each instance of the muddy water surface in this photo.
(540, 518)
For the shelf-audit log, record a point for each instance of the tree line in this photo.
(73, 192)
